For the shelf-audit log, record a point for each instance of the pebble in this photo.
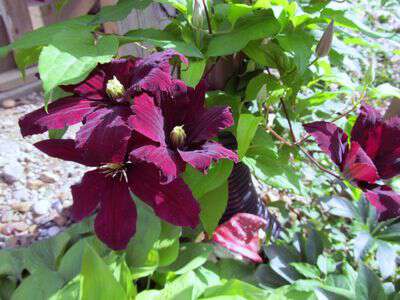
(22, 207)
(41, 207)
(34, 184)
(6, 229)
(48, 177)
(52, 231)
(20, 226)
(8, 103)
(12, 173)
(21, 195)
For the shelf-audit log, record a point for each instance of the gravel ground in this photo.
(34, 188)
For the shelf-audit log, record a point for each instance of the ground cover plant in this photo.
(289, 90)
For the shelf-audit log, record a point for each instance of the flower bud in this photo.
(114, 88)
(199, 13)
(325, 43)
(178, 136)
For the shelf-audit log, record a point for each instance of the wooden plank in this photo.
(6, 63)
(16, 17)
(12, 79)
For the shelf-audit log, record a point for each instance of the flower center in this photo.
(178, 136)
(114, 88)
(115, 170)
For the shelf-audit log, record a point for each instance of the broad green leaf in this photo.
(168, 244)
(180, 5)
(191, 256)
(262, 144)
(57, 133)
(148, 229)
(10, 263)
(259, 82)
(161, 39)
(98, 282)
(213, 205)
(368, 285)
(71, 57)
(70, 291)
(280, 259)
(249, 28)
(26, 57)
(245, 132)
(326, 264)
(385, 90)
(45, 254)
(200, 184)
(391, 233)
(119, 11)
(314, 247)
(194, 72)
(40, 285)
(342, 207)
(147, 266)
(386, 257)
(307, 270)
(235, 288)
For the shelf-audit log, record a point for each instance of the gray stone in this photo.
(41, 207)
(48, 177)
(52, 231)
(12, 173)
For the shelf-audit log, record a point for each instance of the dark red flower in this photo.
(108, 187)
(179, 130)
(373, 153)
(102, 102)
(242, 234)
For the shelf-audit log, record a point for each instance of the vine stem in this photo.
(207, 17)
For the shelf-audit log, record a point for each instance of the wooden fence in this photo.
(20, 16)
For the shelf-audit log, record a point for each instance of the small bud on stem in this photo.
(178, 136)
(325, 42)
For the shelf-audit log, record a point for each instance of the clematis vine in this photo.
(372, 154)
(179, 131)
(243, 235)
(107, 189)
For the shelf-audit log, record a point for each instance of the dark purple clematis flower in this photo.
(102, 102)
(242, 234)
(373, 154)
(179, 132)
(108, 187)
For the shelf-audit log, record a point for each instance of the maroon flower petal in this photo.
(115, 222)
(94, 86)
(66, 150)
(208, 124)
(386, 201)
(388, 159)
(105, 134)
(330, 138)
(367, 130)
(166, 160)
(241, 234)
(61, 113)
(211, 151)
(173, 202)
(358, 166)
(87, 194)
(152, 74)
(148, 119)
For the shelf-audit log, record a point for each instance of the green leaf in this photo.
(281, 258)
(200, 183)
(245, 132)
(326, 264)
(161, 39)
(168, 244)
(194, 72)
(385, 90)
(191, 256)
(148, 229)
(258, 83)
(391, 233)
(45, 254)
(98, 282)
(180, 5)
(342, 207)
(235, 288)
(70, 291)
(386, 256)
(57, 133)
(213, 205)
(368, 285)
(119, 11)
(249, 28)
(147, 266)
(314, 247)
(27, 57)
(71, 57)
(307, 270)
(38, 286)
(10, 263)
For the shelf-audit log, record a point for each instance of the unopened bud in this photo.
(199, 13)
(178, 136)
(325, 42)
(114, 88)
